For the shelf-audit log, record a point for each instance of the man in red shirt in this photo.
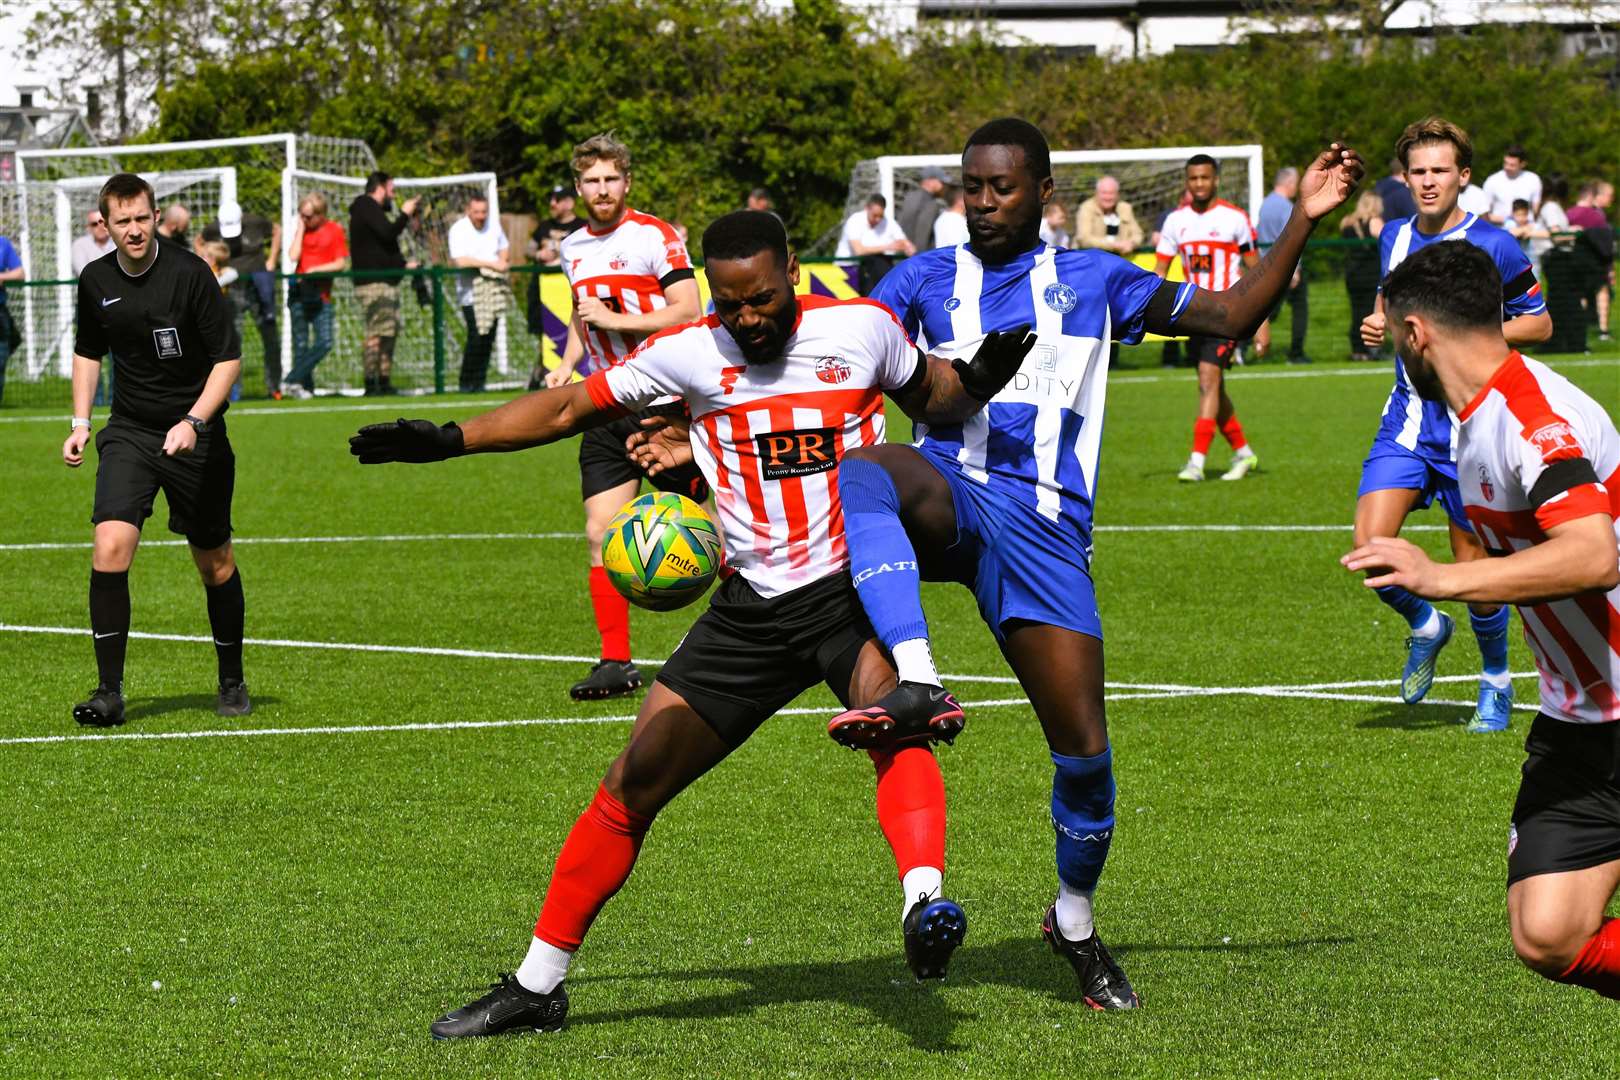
(318, 246)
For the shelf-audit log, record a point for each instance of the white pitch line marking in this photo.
(408, 538)
(426, 401)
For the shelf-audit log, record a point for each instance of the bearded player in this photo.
(779, 388)
(630, 276)
(1413, 457)
(1538, 465)
(1002, 502)
(1216, 243)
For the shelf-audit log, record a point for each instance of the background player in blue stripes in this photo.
(1413, 460)
(1002, 503)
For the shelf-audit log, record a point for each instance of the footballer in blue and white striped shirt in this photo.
(1002, 503)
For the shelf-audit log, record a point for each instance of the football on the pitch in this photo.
(662, 551)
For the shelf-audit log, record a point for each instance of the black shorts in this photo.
(1210, 350)
(604, 465)
(131, 468)
(748, 656)
(1567, 815)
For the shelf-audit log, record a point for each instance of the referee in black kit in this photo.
(158, 308)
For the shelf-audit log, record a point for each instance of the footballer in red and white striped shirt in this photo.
(1215, 242)
(1538, 466)
(779, 388)
(630, 277)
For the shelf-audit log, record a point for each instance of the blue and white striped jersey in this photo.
(1037, 441)
(1425, 427)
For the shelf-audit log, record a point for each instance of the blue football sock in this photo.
(1083, 816)
(882, 562)
(1411, 607)
(1491, 632)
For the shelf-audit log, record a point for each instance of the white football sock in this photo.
(1196, 460)
(1074, 912)
(1431, 627)
(919, 881)
(914, 662)
(544, 967)
(1500, 680)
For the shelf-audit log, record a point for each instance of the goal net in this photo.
(55, 187)
(1152, 181)
(425, 241)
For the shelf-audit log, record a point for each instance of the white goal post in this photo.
(1151, 180)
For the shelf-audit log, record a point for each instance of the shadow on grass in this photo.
(146, 708)
(884, 988)
(1413, 717)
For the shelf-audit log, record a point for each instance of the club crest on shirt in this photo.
(952, 304)
(1485, 487)
(1060, 298)
(618, 262)
(167, 343)
(832, 369)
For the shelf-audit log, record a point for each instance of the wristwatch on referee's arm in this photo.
(198, 425)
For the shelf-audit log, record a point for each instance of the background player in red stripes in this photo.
(1216, 242)
(630, 276)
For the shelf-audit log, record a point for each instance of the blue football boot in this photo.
(1421, 654)
(1495, 708)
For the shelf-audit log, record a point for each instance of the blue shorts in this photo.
(1019, 564)
(1391, 465)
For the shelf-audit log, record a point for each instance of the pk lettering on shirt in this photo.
(166, 342)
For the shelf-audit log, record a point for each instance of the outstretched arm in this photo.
(1238, 311)
(534, 419)
(950, 391)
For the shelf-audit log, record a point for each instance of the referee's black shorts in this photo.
(748, 655)
(131, 468)
(1567, 815)
(604, 465)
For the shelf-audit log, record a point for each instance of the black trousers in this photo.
(475, 356)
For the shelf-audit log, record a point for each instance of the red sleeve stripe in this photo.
(1577, 502)
(601, 394)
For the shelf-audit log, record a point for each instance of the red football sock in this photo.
(1234, 433)
(1203, 435)
(594, 863)
(612, 616)
(911, 807)
(1598, 966)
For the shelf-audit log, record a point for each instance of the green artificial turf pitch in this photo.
(1301, 883)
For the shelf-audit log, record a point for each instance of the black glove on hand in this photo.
(997, 361)
(407, 440)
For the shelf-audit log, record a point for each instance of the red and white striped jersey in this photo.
(769, 436)
(1211, 244)
(629, 266)
(1520, 445)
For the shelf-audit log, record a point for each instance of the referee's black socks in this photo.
(225, 618)
(109, 622)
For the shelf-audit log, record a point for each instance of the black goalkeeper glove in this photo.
(407, 440)
(997, 361)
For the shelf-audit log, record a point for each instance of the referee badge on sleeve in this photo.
(167, 343)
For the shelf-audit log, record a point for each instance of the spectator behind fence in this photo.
(1055, 226)
(11, 269)
(872, 241)
(921, 207)
(561, 222)
(478, 245)
(91, 244)
(1361, 269)
(175, 226)
(318, 246)
(1596, 246)
(1394, 193)
(254, 242)
(374, 245)
(1106, 221)
(1275, 211)
(950, 228)
(1509, 183)
(217, 254)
